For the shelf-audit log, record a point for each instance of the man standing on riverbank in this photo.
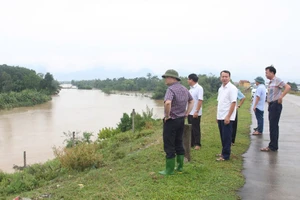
(194, 117)
(241, 97)
(178, 102)
(259, 100)
(275, 96)
(227, 97)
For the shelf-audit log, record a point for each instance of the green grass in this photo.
(131, 163)
(297, 93)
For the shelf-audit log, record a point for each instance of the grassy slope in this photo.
(131, 166)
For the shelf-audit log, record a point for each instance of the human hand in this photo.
(226, 120)
(166, 119)
(195, 115)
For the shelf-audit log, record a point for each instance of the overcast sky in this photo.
(111, 38)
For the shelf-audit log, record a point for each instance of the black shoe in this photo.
(255, 129)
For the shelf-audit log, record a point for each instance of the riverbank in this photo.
(131, 162)
(24, 98)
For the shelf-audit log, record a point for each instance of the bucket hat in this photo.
(171, 73)
(259, 79)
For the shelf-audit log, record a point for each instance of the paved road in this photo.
(275, 175)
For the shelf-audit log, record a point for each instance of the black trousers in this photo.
(196, 130)
(274, 115)
(172, 137)
(225, 134)
(234, 127)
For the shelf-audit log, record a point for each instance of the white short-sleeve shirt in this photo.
(197, 94)
(226, 96)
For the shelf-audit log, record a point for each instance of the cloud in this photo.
(192, 36)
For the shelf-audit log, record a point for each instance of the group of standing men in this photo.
(180, 103)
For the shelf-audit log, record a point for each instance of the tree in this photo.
(49, 85)
(6, 83)
(32, 81)
(293, 85)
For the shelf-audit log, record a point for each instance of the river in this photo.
(37, 129)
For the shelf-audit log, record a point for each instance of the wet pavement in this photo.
(275, 175)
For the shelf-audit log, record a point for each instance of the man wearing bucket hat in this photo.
(259, 104)
(176, 99)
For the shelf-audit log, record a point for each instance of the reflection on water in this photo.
(37, 129)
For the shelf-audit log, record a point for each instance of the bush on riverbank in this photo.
(32, 177)
(79, 157)
(23, 98)
(141, 121)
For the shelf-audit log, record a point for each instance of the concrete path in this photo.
(275, 175)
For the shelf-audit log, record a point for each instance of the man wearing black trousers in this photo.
(275, 96)
(227, 97)
(241, 97)
(178, 103)
(194, 117)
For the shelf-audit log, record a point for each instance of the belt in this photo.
(271, 102)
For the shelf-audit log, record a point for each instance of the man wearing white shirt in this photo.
(194, 117)
(227, 97)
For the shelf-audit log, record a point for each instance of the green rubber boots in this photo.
(180, 160)
(170, 165)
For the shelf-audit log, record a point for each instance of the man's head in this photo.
(259, 80)
(192, 79)
(225, 77)
(171, 76)
(270, 72)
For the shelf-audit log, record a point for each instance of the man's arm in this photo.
(189, 107)
(167, 108)
(241, 102)
(257, 98)
(241, 97)
(199, 104)
(287, 88)
(231, 109)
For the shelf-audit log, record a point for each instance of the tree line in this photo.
(153, 84)
(20, 86)
(16, 79)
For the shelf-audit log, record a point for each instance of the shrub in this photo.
(45, 172)
(17, 182)
(139, 120)
(148, 114)
(126, 123)
(31, 177)
(124, 137)
(73, 138)
(23, 98)
(107, 133)
(79, 157)
(144, 133)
